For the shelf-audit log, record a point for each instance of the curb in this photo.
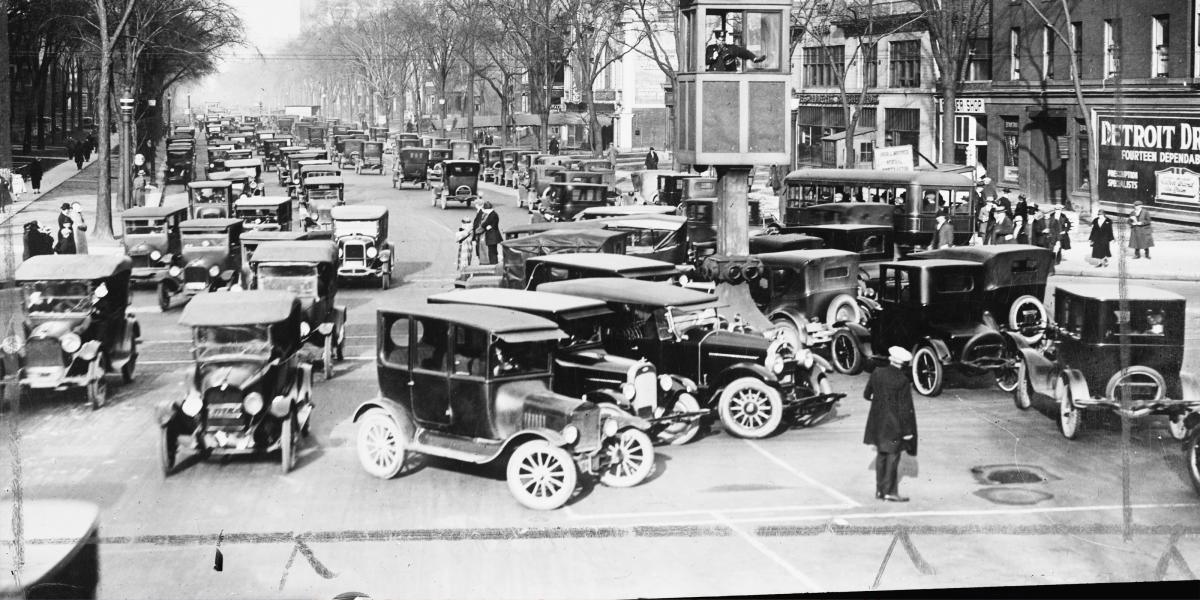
(1099, 274)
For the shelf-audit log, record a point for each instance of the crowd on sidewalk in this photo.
(70, 236)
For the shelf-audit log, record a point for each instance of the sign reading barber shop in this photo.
(1152, 156)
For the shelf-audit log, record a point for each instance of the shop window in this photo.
(1012, 149)
(906, 64)
(903, 127)
(979, 66)
(1161, 40)
(866, 152)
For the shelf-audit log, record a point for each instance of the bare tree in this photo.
(599, 39)
(953, 26)
(6, 159)
(379, 52)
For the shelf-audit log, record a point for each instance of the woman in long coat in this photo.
(1101, 236)
(891, 422)
(1141, 232)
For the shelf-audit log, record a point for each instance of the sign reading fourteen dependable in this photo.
(1152, 156)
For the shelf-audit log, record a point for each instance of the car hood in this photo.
(598, 360)
(55, 326)
(234, 372)
(204, 258)
(752, 346)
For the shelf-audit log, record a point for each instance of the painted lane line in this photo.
(762, 548)
(709, 511)
(813, 482)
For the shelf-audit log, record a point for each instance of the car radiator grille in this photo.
(141, 261)
(195, 275)
(356, 252)
(646, 384)
(224, 408)
(45, 352)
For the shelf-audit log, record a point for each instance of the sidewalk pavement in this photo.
(1175, 256)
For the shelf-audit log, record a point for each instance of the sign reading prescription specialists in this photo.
(1152, 156)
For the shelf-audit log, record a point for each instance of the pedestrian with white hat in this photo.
(891, 423)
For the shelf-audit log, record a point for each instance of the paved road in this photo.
(720, 516)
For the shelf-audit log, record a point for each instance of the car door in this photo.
(468, 381)
(898, 297)
(430, 376)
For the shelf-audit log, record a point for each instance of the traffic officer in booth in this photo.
(719, 56)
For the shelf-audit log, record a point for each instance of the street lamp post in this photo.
(126, 149)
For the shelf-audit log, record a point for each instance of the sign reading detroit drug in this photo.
(1149, 156)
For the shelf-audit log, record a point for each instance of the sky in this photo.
(269, 23)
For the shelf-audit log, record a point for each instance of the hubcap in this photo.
(750, 408)
(843, 351)
(381, 446)
(625, 456)
(541, 475)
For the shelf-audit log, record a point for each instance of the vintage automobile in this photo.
(460, 183)
(670, 187)
(514, 252)
(151, 240)
(250, 241)
(462, 150)
(316, 137)
(407, 140)
(249, 392)
(661, 237)
(217, 156)
(284, 164)
(77, 328)
(565, 200)
(783, 242)
(210, 199)
(238, 153)
(411, 166)
(264, 213)
(437, 156)
(363, 247)
(506, 171)
(489, 157)
(273, 151)
(254, 165)
(873, 243)
(320, 195)
(581, 368)
(179, 164)
(61, 541)
(566, 266)
(472, 384)
(378, 133)
(309, 169)
(372, 158)
(351, 151)
(645, 185)
(749, 381)
(308, 269)
(934, 307)
(291, 176)
(701, 218)
(211, 260)
(242, 182)
(627, 210)
(1081, 367)
(541, 175)
(813, 296)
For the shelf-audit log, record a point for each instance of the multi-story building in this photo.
(1139, 69)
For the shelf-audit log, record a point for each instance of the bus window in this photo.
(931, 201)
(962, 202)
(900, 196)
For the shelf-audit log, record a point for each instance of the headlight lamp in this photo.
(664, 382)
(192, 404)
(570, 433)
(155, 255)
(174, 271)
(214, 270)
(608, 428)
(628, 390)
(253, 403)
(71, 343)
(11, 345)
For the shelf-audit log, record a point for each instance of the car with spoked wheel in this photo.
(212, 257)
(364, 252)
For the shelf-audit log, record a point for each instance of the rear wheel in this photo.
(1193, 462)
(128, 368)
(630, 456)
(381, 444)
(164, 297)
(749, 408)
(1069, 416)
(287, 445)
(540, 475)
(843, 309)
(385, 281)
(927, 372)
(682, 432)
(327, 358)
(168, 449)
(845, 352)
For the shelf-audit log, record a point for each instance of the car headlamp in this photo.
(11, 345)
(174, 271)
(155, 255)
(325, 328)
(608, 428)
(684, 280)
(664, 382)
(192, 404)
(372, 252)
(777, 364)
(570, 434)
(305, 329)
(628, 390)
(71, 343)
(214, 270)
(253, 403)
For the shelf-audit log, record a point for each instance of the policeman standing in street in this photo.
(891, 423)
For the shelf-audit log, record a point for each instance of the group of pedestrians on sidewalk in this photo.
(70, 238)
(80, 150)
(12, 188)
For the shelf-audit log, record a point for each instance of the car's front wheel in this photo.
(1009, 379)
(168, 450)
(630, 459)
(97, 389)
(327, 357)
(381, 444)
(1069, 416)
(750, 408)
(846, 355)
(127, 369)
(927, 372)
(1193, 462)
(679, 433)
(540, 475)
(287, 445)
(164, 297)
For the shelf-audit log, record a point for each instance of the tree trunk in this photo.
(593, 124)
(5, 92)
(104, 189)
(470, 107)
(949, 93)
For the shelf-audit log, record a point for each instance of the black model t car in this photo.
(211, 260)
(747, 379)
(249, 391)
(472, 383)
(364, 251)
(460, 183)
(152, 240)
(76, 327)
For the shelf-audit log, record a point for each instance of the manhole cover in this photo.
(1009, 474)
(1013, 496)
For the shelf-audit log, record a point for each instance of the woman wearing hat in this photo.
(489, 231)
(1100, 237)
(891, 422)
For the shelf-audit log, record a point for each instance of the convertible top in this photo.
(243, 163)
(68, 267)
(251, 307)
(307, 251)
(508, 325)
(324, 180)
(231, 175)
(599, 212)
(1004, 265)
(210, 224)
(617, 263)
(256, 236)
(359, 212)
(802, 258)
(524, 300)
(631, 291)
(152, 212)
(763, 244)
(209, 184)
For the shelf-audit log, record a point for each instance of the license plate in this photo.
(225, 411)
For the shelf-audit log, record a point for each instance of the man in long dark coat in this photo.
(1058, 232)
(891, 423)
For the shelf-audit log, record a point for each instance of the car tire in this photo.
(287, 445)
(928, 376)
(1069, 416)
(97, 390)
(749, 408)
(845, 352)
(1135, 372)
(385, 281)
(164, 297)
(327, 357)
(540, 475)
(442, 202)
(1023, 394)
(1193, 462)
(382, 444)
(168, 450)
(1011, 380)
(127, 370)
(631, 456)
(843, 308)
(681, 432)
(1017, 307)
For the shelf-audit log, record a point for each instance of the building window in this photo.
(823, 65)
(1077, 36)
(1082, 138)
(903, 127)
(866, 152)
(1014, 54)
(1161, 34)
(1010, 170)
(866, 118)
(979, 66)
(871, 65)
(1047, 53)
(1112, 50)
(906, 64)
(812, 124)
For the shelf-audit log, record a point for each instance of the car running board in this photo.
(455, 447)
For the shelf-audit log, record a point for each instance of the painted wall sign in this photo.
(1152, 156)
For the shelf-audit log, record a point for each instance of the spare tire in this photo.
(1018, 321)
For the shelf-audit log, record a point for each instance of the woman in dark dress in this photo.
(35, 175)
(37, 240)
(1101, 236)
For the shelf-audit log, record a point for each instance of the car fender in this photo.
(790, 313)
(398, 412)
(743, 369)
(166, 411)
(624, 420)
(385, 258)
(1077, 383)
(88, 351)
(1039, 370)
(943, 352)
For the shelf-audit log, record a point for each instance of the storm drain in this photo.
(1009, 474)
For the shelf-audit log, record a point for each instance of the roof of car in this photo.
(845, 227)
(262, 235)
(151, 212)
(498, 321)
(250, 307)
(632, 291)
(632, 209)
(523, 300)
(72, 266)
(981, 253)
(222, 223)
(928, 178)
(474, 163)
(260, 201)
(324, 180)
(230, 175)
(661, 223)
(304, 251)
(209, 184)
(596, 260)
(243, 162)
(1112, 292)
(323, 165)
(801, 257)
(577, 184)
(359, 212)
(932, 263)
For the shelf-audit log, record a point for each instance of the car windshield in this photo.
(298, 279)
(367, 228)
(224, 340)
(682, 320)
(519, 359)
(58, 296)
(144, 227)
(208, 196)
(200, 242)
